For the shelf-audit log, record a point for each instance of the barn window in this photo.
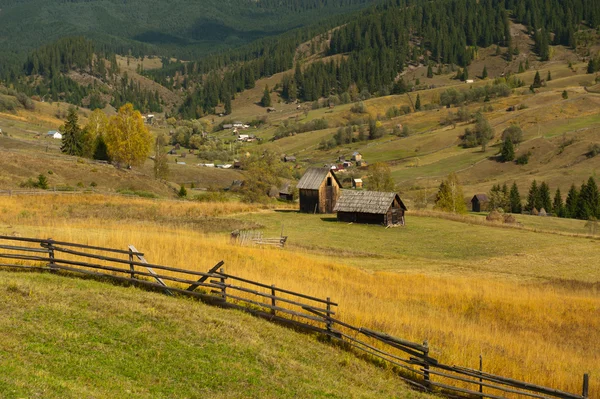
(329, 182)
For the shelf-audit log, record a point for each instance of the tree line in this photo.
(582, 203)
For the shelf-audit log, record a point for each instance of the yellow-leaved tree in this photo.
(94, 133)
(127, 138)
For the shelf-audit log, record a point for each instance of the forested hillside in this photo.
(374, 47)
(182, 28)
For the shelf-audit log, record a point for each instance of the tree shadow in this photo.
(329, 219)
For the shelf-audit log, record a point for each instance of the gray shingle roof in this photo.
(366, 201)
(313, 178)
(480, 197)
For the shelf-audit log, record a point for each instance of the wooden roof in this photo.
(313, 178)
(480, 198)
(366, 201)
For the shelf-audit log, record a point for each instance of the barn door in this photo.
(395, 218)
(329, 199)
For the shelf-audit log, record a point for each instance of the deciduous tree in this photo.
(380, 178)
(127, 138)
(450, 196)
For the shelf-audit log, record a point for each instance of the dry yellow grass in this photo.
(546, 333)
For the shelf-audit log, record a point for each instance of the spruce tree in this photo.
(521, 69)
(544, 200)
(508, 151)
(227, 104)
(484, 74)
(549, 77)
(418, 103)
(72, 143)
(558, 207)
(266, 98)
(537, 80)
(571, 202)
(583, 210)
(429, 71)
(515, 199)
(565, 95)
(532, 197)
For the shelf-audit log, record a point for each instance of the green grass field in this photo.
(73, 338)
(436, 245)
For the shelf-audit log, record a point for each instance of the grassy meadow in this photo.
(74, 338)
(527, 301)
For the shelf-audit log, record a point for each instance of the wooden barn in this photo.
(370, 207)
(479, 202)
(319, 190)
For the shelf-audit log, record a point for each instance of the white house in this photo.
(243, 137)
(55, 135)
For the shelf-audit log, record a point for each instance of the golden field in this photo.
(538, 329)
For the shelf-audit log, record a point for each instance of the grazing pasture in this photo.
(526, 301)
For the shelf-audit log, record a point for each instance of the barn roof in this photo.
(480, 197)
(366, 201)
(313, 178)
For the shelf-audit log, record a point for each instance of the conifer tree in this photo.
(266, 98)
(508, 151)
(537, 80)
(544, 200)
(227, 104)
(521, 69)
(571, 202)
(72, 143)
(484, 74)
(565, 95)
(549, 77)
(515, 199)
(532, 197)
(558, 207)
(429, 71)
(418, 103)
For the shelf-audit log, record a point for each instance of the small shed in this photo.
(55, 135)
(370, 207)
(286, 192)
(479, 202)
(319, 190)
(357, 183)
(356, 156)
(289, 158)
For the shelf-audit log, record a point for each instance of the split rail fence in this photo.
(411, 360)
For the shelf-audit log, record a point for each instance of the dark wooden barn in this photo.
(479, 202)
(370, 207)
(319, 190)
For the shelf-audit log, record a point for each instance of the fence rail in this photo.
(216, 287)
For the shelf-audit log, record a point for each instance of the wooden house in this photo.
(319, 190)
(479, 202)
(356, 156)
(357, 183)
(370, 207)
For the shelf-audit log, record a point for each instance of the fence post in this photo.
(586, 385)
(132, 271)
(273, 299)
(480, 373)
(223, 288)
(51, 263)
(426, 377)
(328, 321)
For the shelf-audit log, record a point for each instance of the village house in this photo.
(357, 183)
(286, 192)
(370, 207)
(479, 203)
(289, 158)
(356, 156)
(319, 190)
(55, 135)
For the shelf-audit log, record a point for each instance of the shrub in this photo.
(593, 150)
(359, 108)
(523, 159)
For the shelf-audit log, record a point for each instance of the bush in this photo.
(523, 159)
(359, 108)
(593, 150)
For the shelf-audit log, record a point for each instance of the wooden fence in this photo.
(411, 360)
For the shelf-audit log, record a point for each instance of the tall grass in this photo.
(545, 333)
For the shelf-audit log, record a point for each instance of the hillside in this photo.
(183, 27)
(524, 298)
(73, 338)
